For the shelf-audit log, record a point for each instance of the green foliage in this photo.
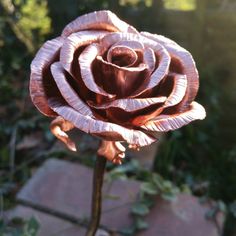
(183, 5)
(28, 20)
(153, 185)
(140, 209)
(147, 3)
(232, 208)
(33, 17)
(149, 188)
(17, 227)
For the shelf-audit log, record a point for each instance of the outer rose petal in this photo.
(67, 92)
(45, 56)
(107, 130)
(165, 123)
(98, 20)
(189, 67)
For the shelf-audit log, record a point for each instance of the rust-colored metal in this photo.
(96, 203)
(58, 127)
(112, 151)
(105, 78)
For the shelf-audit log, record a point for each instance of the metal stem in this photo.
(98, 174)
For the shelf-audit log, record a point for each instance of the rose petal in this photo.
(122, 56)
(165, 123)
(106, 130)
(179, 90)
(86, 59)
(73, 42)
(163, 58)
(129, 104)
(188, 64)
(178, 84)
(139, 68)
(67, 91)
(160, 72)
(118, 38)
(40, 83)
(135, 45)
(98, 20)
(58, 127)
(120, 80)
(149, 59)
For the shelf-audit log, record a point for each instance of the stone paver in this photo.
(66, 188)
(49, 225)
(183, 217)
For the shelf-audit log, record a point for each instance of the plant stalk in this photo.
(96, 204)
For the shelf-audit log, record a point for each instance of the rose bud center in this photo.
(122, 56)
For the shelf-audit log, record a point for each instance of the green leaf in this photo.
(211, 213)
(149, 188)
(141, 224)
(221, 206)
(168, 196)
(158, 181)
(128, 231)
(167, 185)
(31, 228)
(185, 189)
(232, 208)
(140, 209)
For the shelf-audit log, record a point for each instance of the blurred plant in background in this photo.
(184, 5)
(201, 157)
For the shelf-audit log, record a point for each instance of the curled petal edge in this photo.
(106, 130)
(99, 20)
(179, 90)
(164, 123)
(58, 127)
(129, 104)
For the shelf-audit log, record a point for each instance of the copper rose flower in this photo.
(105, 78)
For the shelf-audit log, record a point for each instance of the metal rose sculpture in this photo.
(105, 78)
